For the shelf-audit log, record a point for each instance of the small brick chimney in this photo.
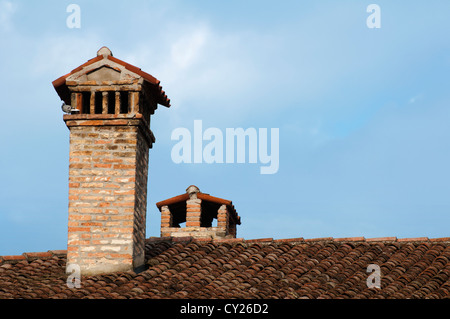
(110, 137)
(198, 210)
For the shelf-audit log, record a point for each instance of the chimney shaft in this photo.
(107, 196)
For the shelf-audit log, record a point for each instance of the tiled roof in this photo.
(237, 268)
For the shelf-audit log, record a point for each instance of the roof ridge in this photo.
(31, 256)
(299, 239)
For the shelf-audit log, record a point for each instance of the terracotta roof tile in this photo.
(263, 268)
(349, 239)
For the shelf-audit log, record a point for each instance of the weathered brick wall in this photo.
(107, 197)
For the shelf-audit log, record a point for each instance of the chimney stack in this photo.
(197, 211)
(110, 137)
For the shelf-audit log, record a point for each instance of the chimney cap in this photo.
(105, 58)
(104, 51)
(192, 191)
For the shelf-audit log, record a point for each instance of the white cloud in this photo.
(59, 55)
(7, 9)
(201, 69)
(414, 99)
(186, 50)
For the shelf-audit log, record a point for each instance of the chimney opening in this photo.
(178, 215)
(111, 102)
(208, 214)
(124, 102)
(86, 102)
(98, 102)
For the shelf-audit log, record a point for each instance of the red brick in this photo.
(192, 224)
(125, 192)
(193, 214)
(113, 160)
(73, 224)
(79, 217)
(124, 204)
(121, 217)
(91, 224)
(79, 229)
(103, 141)
(102, 165)
(72, 243)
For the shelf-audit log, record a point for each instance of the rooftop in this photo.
(296, 268)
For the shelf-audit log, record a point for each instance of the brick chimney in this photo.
(110, 137)
(198, 210)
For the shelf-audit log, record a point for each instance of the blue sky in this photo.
(362, 113)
